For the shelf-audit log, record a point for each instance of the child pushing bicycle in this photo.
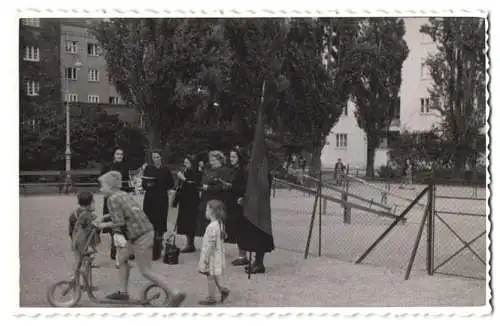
(132, 229)
(80, 227)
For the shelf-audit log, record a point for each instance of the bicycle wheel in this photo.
(69, 292)
(153, 295)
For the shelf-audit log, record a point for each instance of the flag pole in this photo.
(259, 116)
(249, 270)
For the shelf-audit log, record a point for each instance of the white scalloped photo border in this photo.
(285, 312)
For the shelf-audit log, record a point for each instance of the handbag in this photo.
(172, 252)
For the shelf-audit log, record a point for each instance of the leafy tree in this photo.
(257, 46)
(422, 148)
(377, 78)
(318, 67)
(93, 139)
(459, 90)
(303, 96)
(160, 64)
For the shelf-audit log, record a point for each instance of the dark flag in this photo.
(257, 201)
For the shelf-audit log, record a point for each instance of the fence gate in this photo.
(459, 224)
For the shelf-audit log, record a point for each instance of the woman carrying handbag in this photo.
(187, 198)
(157, 180)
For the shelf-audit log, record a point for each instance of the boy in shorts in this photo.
(128, 217)
(80, 226)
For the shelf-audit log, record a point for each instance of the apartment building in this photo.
(348, 142)
(83, 68)
(81, 79)
(39, 82)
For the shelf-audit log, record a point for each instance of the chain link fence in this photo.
(460, 219)
(355, 213)
(353, 216)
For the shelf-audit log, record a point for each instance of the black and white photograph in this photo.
(242, 161)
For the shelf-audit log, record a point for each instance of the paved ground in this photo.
(330, 280)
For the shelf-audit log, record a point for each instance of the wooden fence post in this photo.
(347, 209)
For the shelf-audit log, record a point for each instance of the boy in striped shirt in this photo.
(132, 229)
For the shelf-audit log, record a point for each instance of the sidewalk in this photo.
(290, 280)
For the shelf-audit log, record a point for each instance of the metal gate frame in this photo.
(435, 215)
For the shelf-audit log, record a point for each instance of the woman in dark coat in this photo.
(214, 185)
(234, 204)
(156, 181)
(253, 239)
(117, 165)
(188, 196)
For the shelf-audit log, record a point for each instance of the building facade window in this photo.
(31, 53)
(114, 100)
(35, 22)
(93, 75)
(93, 50)
(425, 72)
(31, 123)
(71, 73)
(341, 140)
(32, 88)
(93, 99)
(71, 47)
(425, 104)
(71, 97)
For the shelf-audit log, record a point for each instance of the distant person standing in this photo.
(157, 180)
(188, 201)
(235, 204)
(339, 170)
(407, 174)
(213, 186)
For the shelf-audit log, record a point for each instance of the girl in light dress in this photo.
(213, 257)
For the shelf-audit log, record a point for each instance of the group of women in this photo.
(198, 184)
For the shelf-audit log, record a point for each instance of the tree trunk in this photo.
(370, 156)
(316, 160)
(459, 161)
(154, 139)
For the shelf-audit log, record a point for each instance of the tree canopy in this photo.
(161, 64)
(376, 82)
(459, 90)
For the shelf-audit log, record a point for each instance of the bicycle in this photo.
(83, 271)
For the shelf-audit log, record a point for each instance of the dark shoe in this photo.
(177, 300)
(241, 261)
(118, 296)
(224, 293)
(256, 269)
(131, 257)
(112, 254)
(208, 302)
(188, 249)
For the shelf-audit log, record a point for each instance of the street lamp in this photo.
(67, 152)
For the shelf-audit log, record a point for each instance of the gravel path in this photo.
(331, 280)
